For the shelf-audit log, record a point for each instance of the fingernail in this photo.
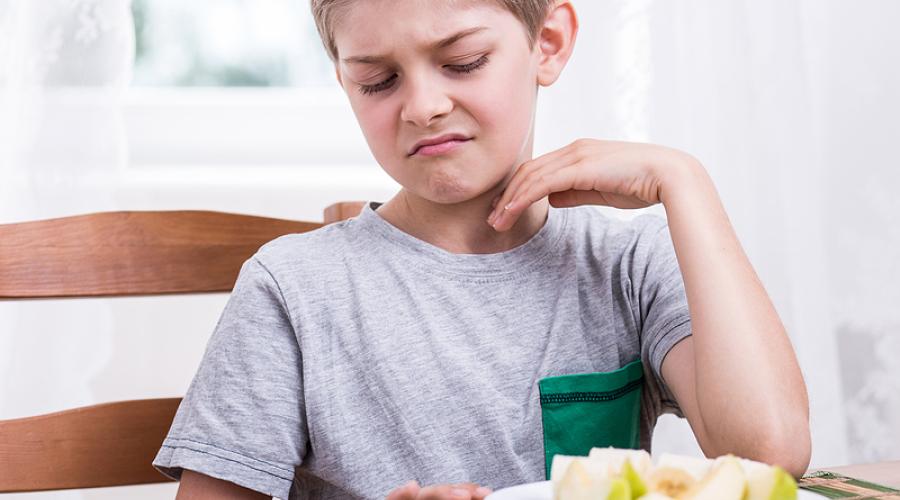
(459, 493)
(492, 217)
(500, 216)
(482, 491)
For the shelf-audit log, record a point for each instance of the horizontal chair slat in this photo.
(132, 253)
(111, 444)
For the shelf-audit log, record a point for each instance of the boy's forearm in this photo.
(750, 391)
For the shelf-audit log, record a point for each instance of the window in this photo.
(229, 43)
(235, 82)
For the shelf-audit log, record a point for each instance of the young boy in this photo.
(421, 340)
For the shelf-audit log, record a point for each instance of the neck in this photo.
(461, 228)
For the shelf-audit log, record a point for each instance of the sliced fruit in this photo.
(726, 481)
(578, 484)
(561, 463)
(752, 466)
(574, 484)
(654, 496)
(695, 466)
(669, 481)
(770, 483)
(618, 490)
(634, 480)
(616, 457)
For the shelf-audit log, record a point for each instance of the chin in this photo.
(450, 187)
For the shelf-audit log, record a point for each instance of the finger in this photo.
(481, 493)
(575, 197)
(445, 492)
(522, 173)
(408, 491)
(477, 492)
(511, 193)
(562, 179)
(566, 155)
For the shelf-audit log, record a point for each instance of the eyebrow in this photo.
(440, 44)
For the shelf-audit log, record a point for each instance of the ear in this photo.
(556, 41)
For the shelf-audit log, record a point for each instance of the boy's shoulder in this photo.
(296, 251)
(591, 220)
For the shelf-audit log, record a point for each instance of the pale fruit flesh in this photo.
(670, 481)
(771, 483)
(578, 484)
(726, 481)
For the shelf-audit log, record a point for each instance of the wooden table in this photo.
(883, 473)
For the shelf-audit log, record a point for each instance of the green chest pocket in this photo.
(589, 410)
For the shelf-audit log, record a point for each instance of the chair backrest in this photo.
(118, 254)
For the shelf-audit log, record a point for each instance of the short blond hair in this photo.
(530, 13)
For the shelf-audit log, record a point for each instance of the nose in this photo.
(426, 101)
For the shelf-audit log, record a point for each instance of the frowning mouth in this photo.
(438, 145)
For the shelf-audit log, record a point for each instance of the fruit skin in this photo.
(770, 483)
(634, 480)
(619, 490)
(726, 481)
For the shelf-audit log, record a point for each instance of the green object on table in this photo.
(831, 485)
(590, 410)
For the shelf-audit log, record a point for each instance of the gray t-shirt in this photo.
(356, 357)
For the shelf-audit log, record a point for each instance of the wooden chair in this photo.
(118, 254)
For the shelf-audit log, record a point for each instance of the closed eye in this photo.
(456, 68)
(378, 87)
(468, 68)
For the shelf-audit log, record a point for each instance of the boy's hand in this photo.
(459, 491)
(589, 172)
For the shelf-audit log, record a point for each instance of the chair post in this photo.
(343, 210)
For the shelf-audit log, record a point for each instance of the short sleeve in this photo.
(243, 417)
(659, 293)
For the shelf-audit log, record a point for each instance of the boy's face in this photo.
(415, 90)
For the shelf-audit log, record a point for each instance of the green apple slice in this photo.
(561, 463)
(577, 483)
(635, 481)
(654, 496)
(770, 483)
(616, 457)
(670, 481)
(574, 484)
(695, 466)
(726, 481)
(618, 490)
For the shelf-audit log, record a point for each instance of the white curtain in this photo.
(63, 67)
(792, 108)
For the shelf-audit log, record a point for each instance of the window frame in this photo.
(241, 126)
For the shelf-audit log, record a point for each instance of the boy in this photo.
(414, 341)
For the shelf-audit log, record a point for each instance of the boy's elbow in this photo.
(789, 448)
